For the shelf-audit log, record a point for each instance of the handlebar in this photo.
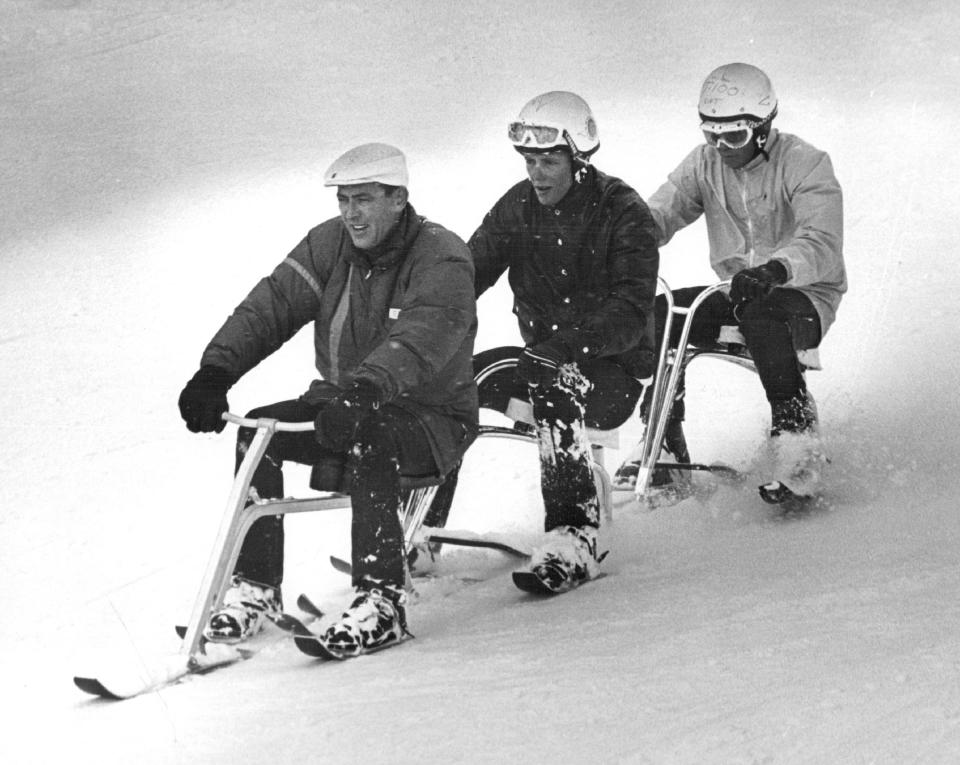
(268, 423)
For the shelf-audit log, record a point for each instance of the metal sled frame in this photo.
(671, 363)
(523, 429)
(241, 513)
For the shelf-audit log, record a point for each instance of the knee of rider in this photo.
(757, 326)
(377, 440)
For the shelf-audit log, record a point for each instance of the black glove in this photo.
(204, 400)
(751, 283)
(538, 364)
(338, 421)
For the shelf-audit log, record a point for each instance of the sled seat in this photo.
(671, 364)
(732, 346)
(500, 390)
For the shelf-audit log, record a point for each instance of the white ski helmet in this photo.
(738, 93)
(368, 163)
(557, 119)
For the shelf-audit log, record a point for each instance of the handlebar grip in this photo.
(269, 423)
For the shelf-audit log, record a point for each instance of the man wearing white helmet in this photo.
(391, 298)
(579, 247)
(774, 216)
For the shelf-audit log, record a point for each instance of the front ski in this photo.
(307, 606)
(315, 646)
(173, 669)
(778, 493)
(625, 478)
(466, 540)
(311, 644)
(528, 581)
(94, 687)
(282, 620)
(169, 671)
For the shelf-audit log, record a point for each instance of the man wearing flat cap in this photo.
(391, 298)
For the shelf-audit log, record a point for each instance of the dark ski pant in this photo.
(390, 442)
(601, 394)
(775, 327)
(567, 485)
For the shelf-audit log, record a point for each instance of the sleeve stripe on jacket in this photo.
(307, 276)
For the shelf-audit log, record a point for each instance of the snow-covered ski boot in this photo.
(376, 619)
(246, 608)
(800, 463)
(566, 559)
(799, 455)
(793, 415)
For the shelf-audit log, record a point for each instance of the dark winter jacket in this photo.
(402, 316)
(586, 269)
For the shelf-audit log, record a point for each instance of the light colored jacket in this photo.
(788, 207)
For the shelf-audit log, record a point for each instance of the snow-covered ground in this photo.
(158, 157)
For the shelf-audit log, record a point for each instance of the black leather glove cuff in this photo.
(365, 394)
(211, 378)
(204, 399)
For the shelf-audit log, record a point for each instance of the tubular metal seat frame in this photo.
(671, 364)
(244, 508)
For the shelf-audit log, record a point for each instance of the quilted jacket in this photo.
(586, 268)
(402, 316)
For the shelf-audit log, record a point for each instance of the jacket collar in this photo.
(393, 248)
(575, 199)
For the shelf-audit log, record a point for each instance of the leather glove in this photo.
(204, 400)
(539, 364)
(751, 283)
(338, 421)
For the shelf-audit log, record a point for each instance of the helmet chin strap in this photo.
(761, 137)
(580, 159)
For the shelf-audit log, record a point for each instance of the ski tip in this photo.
(453, 538)
(778, 493)
(312, 645)
(726, 472)
(95, 688)
(530, 582)
(286, 622)
(309, 607)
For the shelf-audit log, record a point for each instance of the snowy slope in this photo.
(159, 157)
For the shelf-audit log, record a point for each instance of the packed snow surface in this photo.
(159, 157)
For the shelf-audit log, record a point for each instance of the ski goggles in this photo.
(523, 134)
(734, 135)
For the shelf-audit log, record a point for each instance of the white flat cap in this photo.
(368, 163)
